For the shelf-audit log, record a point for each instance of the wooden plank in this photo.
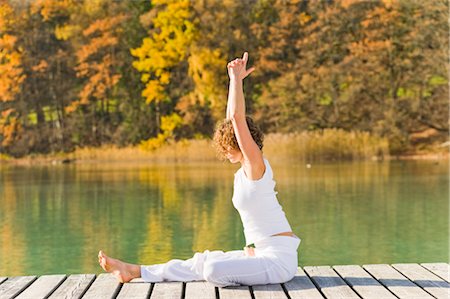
(167, 289)
(431, 283)
(329, 282)
(42, 287)
(135, 289)
(301, 287)
(269, 291)
(235, 292)
(74, 286)
(105, 286)
(398, 284)
(440, 269)
(14, 285)
(362, 282)
(199, 289)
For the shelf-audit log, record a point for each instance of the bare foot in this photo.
(123, 271)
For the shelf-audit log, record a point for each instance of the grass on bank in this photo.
(329, 145)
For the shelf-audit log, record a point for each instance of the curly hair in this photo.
(224, 137)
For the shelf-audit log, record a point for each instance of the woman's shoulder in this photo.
(266, 174)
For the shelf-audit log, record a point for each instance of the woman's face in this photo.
(234, 155)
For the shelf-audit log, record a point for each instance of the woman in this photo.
(273, 257)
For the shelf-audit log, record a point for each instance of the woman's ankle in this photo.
(135, 270)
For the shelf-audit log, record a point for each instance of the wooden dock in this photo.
(426, 280)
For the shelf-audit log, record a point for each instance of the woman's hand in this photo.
(237, 68)
(249, 251)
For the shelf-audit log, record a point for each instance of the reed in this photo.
(4, 157)
(328, 145)
(181, 151)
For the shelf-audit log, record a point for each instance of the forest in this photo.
(85, 73)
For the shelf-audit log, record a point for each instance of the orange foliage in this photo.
(51, 8)
(5, 13)
(41, 67)
(10, 127)
(11, 72)
(97, 62)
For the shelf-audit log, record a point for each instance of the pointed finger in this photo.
(245, 57)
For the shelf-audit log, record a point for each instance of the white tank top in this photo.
(258, 206)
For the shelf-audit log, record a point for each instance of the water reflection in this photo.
(54, 219)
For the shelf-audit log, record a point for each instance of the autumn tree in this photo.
(84, 73)
(362, 65)
(11, 78)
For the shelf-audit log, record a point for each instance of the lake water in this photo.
(54, 219)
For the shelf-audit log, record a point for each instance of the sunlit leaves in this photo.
(11, 71)
(10, 127)
(96, 60)
(166, 47)
(52, 8)
(169, 124)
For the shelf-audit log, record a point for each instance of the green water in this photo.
(54, 219)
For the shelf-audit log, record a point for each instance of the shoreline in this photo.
(328, 147)
(151, 158)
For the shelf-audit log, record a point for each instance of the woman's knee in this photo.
(215, 273)
(288, 275)
(211, 270)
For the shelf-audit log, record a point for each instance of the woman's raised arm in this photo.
(253, 160)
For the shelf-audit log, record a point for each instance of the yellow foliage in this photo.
(154, 91)
(168, 124)
(65, 32)
(153, 143)
(166, 47)
(205, 67)
(93, 7)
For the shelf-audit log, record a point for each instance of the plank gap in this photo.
(57, 286)
(429, 266)
(315, 284)
(381, 284)
(88, 286)
(427, 280)
(117, 291)
(285, 290)
(152, 286)
(396, 282)
(216, 289)
(412, 281)
(3, 279)
(251, 292)
(24, 287)
(183, 290)
(346, 282)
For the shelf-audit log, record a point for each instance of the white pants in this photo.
(275, 261)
